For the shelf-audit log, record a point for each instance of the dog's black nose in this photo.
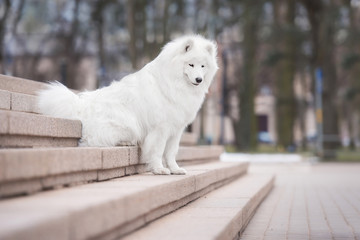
(198, 80)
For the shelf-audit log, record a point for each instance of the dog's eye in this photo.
(191, 65)
(202, 66)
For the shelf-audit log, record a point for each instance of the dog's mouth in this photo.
(193, 83)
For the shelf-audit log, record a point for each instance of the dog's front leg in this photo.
(172, 148)
(152, 150)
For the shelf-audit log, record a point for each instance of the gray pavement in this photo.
(320, 201)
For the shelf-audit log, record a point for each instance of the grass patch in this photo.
(341, 155)
(263, 148)
(348, 156)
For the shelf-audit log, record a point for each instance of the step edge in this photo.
(107, 158)
(211, 173)
(12, 84)
(57, 127)
(253, 203)
(234, 224)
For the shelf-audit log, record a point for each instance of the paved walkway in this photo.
(319, 201)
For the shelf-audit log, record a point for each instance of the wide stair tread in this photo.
(24, 171)
(221, 214)
(20, 129)
(19, 123)
(20, 126)
(20, 85)
(113, 207)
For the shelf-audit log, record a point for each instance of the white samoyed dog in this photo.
(150, 107)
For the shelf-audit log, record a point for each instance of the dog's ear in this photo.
(211, 49)
(188, 45)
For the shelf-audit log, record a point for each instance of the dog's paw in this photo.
(178, 171)
(160, 171)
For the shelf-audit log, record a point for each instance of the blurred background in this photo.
(289, 78)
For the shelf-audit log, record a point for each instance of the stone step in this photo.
(20, 102)
(19, 129)
(189, 139)
(193, 154)
(222, 214)
(109, 208)
(20, 85)
(18, 94)
(26, 171)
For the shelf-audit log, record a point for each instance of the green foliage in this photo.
(273, 57)
(351, 93)
(349, 60)
(347, 156)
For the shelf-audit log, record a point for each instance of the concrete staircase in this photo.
(52, 189)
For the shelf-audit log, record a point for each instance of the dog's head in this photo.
(199, 61)
(192, 60)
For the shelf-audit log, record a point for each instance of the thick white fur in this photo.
(150, 107)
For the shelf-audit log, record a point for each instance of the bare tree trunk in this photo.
(132, 33)
(99, 22)
(327, 62)
(247, 125)
(72, 57)
(165, 21)
(3, 20)
(144, 30)
(302, 107)
(17, 19)
(285, 102)
(322, 19)
(19, 11)
(354, 86)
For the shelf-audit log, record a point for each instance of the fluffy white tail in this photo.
(58, 101)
